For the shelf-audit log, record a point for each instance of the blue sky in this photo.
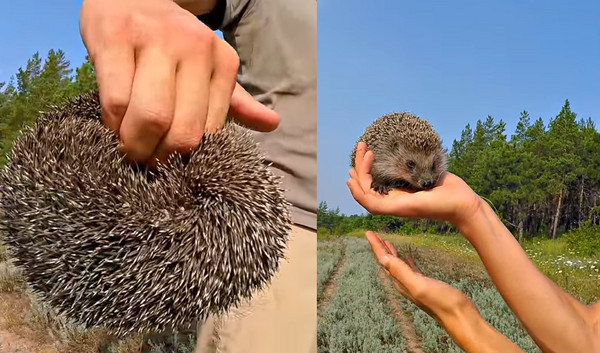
(27, 26)
(450, 62)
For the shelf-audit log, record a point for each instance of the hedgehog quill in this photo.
(407, 153)
(106, 244)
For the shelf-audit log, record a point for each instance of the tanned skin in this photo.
(556, 321)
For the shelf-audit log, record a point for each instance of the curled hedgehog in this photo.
(407, 153)
(107, 244)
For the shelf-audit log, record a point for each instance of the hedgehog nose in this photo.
(427, 184)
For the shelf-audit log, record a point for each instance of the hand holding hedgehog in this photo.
(164, 77)
(451, 200)
(408, 153)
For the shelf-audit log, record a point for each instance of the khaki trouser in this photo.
(281, 318)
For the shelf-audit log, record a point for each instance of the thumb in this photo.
(250, 113)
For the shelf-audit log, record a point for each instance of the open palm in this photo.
(440, 300)
(451, 200)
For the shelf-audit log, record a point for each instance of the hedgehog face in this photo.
(419, 169)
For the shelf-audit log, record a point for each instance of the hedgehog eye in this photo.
(410, 164)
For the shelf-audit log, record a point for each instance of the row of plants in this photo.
(358, 316)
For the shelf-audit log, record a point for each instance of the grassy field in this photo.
(358, 316)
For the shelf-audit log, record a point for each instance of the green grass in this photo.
(549, 247)
(324, 235)
(358, 233)
(577, 274)
(453, 260)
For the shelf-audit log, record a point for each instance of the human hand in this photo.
(164, 78)
(446, 304)
(440, 300)
(451, 200)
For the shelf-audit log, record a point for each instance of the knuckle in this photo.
(182, 142)
(155, 119)
(198, 38)
(189, 142)
(115, 104)
(200, 34)
(231, 63)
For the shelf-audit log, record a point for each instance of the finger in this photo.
(365, 200)
(359, 153)
(364, 171)
(250, 113)
(400, 288)
(411, 262)
(356, 191)
(190, 113)
(387, 248)
(352, 173)
(397, 268)
(403, 273)
(115, 67)
(391, 248)
(150, 110)
(222, 83)
(378, 246)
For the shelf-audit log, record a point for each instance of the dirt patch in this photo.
(15, 335)
(331, 284)
(13, 343)
(404, 322)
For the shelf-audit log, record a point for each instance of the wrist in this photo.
(469, 214)
(473, 334)
(463, 324)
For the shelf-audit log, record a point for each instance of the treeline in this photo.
(332, 221)
(36, 87)
(544, 180)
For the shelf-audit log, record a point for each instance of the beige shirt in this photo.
(276, 41)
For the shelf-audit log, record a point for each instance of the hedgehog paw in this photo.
(380, 188)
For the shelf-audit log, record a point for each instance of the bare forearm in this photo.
(551, 316)
(474, 335)
(197, 7)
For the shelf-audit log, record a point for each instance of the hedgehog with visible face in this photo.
(407, 153)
